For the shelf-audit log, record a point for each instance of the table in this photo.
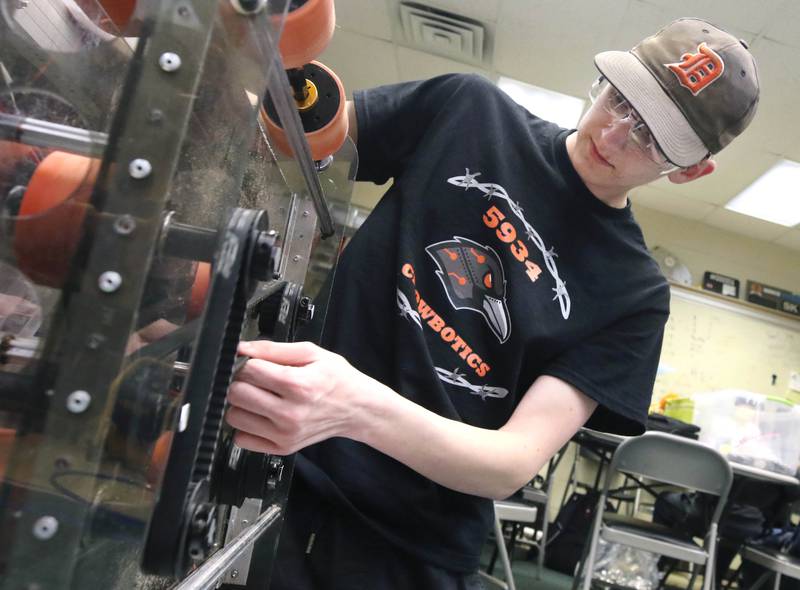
(612, 441)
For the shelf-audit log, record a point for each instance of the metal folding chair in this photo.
(669, 459)
(777, 563)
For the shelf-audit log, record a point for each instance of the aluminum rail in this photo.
(52, 135)
(209, 574)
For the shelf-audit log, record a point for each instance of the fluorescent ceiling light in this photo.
(773, 196)
(546, 104)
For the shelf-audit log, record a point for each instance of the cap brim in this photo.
(672, 131)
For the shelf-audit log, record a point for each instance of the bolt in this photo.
(305, 312)
(245, 521)
(93, 341)
(306, 213)
(234, 574)
(248, 7)
(139, 168)
(323, 164)
(156, 116)
(78, 401)
(45, 528)
(109, 281)
(296, 258)
(169, 61)
(124, 225)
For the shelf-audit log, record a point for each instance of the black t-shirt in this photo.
(487, 264)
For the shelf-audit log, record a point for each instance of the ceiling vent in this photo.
(442, 33)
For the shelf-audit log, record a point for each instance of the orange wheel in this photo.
(51, 215)
(197, 300)
(159, 457)
(307, 31)
(324, 121)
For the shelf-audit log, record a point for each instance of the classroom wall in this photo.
(703, 247)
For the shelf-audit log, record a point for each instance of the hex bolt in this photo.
(296, 258)
(139, 168)
(45, 528)
(94, 340)
(78, 401)
(109, 281)
(248, 7)
(124, 225)
(306, 213)
(234, 574)
(169, 61)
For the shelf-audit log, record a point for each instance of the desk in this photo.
(587, 435)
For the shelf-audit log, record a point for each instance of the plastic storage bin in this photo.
(750, 428)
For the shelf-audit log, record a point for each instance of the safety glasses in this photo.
(617, 105)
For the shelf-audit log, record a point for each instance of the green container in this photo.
(681, 409)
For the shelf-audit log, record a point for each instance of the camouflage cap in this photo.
(693, 84)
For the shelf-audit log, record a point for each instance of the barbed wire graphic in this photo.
(406, 310)
(491, 191)
(455, 377)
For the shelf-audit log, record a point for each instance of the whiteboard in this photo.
(711, 343)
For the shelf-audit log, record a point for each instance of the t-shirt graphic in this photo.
(472, 276)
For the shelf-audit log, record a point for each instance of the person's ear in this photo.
(702, 168)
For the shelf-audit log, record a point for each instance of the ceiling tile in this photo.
(783, 24)
(738, 165)
(778, 108)
(744, 224)
(662, 198)
(360, 61)
(791, 239)
(748, 16)
(367, 17)
(553, 44)
(418, 65)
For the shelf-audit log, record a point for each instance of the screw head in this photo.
(124, 225)
(109, 281)
(78, 401)
(94, 340)
(139, 168)
(169, 61)
(45, 528)
(248, 7)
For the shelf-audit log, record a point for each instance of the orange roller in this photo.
(51, 216)
(331, 132)
(197, 300)
(119, 18)
(306, 33)
(159, 457)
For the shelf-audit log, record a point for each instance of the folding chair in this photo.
(775, 561)
(674, 460)
(535, 503)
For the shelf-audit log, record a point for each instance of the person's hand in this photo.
(149, 333)
(291, 395)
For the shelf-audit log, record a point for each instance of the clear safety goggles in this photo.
(618, 106)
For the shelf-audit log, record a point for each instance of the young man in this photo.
(498, 297)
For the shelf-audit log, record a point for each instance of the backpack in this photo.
(570, 531)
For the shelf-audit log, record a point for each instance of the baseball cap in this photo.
(693, 84)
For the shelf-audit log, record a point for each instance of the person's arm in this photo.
(289, 396)
(352, 121)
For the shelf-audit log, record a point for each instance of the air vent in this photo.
(442, 33)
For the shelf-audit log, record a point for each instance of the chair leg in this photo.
(777, 581)
(587, 563)
(693, 577)
(542, 543)
(501, 550)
